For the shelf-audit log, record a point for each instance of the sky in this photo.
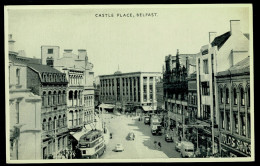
(132, 43)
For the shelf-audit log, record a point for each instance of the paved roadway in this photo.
(143, 145)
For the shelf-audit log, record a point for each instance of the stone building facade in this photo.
(233, 87)
(24, 114)
(136, 89)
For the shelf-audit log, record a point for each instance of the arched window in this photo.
(227, 96)
(64, 120)
(44, 125)
(59, 124)
(64, 97)
(75, 94)
(49, 124)
(55, 123)
(59, 97)
(70, 95)
(242, 96)
(221, 96)
(54, 98)
(235, 96)
(49, 98)
(17, 76)
(43, 98)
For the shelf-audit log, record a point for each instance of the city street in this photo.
(142, 147)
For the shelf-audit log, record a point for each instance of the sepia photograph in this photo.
(129, 83)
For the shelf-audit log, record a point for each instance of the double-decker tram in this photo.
(92, 144)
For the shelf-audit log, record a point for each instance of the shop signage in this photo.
(236, 143)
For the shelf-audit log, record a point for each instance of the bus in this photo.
(92, 144)
(155, 124)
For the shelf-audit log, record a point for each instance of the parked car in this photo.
(117, 114)
(168, 137)
(119, 147)
(131, 136)
(178, 146)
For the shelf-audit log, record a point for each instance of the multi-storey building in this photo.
(136, 90)
(219, 55)
(80, 92)
(176, 90)
(51, 85)
(24, 113)
(234, 110)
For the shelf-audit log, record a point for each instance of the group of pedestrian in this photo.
(157, 145)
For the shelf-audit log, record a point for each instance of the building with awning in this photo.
(129, 89)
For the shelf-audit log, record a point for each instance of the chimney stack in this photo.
(212, 36)
(82, 52)
(11, 42)
(68, 50)
(235, 27)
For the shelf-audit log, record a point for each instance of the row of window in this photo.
(192, 99)
(235, 121)
(53, 77)
(89, 100)
(75, 79)
(48, 125)
(53, 98)
(236, 95)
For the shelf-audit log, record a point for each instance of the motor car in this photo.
(168, 137)
(119, 147)
(131, 136)
(178, 146)
(187, 149)
(117, 114)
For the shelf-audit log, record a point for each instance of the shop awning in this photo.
(108, 106)
(147, 108)
(77, 135)
(84, 130)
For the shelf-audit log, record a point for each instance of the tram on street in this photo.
(92, 144)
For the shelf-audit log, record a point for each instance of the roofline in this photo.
(130, 73)
(49, 46)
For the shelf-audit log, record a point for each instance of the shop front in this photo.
(234, 146)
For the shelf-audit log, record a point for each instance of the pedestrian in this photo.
(155, 143)
(159, 145)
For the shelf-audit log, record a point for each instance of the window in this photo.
(235, 96)
(50, 51)
(205, 66)
(243, 125)
(227, 96)
(17, 76)
(49, 98)
(228, 121)
(236, 123)
(83, 151)
(205, 88)
(17, 112)
(206, 112)
(223, 120)
(221, 96)
(242, 96)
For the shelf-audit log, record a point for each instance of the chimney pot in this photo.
(11, 42)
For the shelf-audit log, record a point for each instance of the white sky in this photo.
(136, 44)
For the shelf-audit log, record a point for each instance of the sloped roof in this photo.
(246, 35)
(23, 60)
(220, 40)
(241, 67)
(43, 68)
